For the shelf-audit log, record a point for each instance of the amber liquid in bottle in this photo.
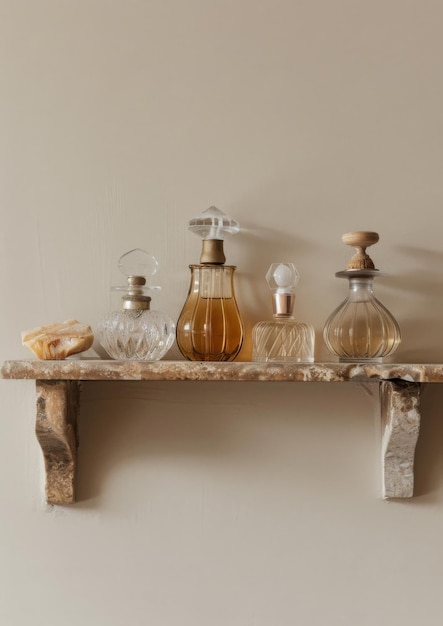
(210, 327)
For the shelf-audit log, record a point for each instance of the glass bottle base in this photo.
(361, 360)
(264, 359)
(283, 341)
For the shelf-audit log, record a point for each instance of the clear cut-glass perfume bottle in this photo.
(133, 331)
(361, 328)
(283, 339)
(210, 327)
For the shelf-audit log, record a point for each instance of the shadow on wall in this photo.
(416, 299)
(429, 451)
(298, 437)
(307, 439)
(427, 276)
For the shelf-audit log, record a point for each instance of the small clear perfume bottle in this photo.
(283, 339)
(361, 328)
(210, 327)
(134, 332)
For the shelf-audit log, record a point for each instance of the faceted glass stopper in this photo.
(282, 277)
(214, 224)
(138, 266)
(138, 262)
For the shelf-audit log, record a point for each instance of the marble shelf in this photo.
(58, 386)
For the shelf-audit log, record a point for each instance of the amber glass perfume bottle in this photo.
(132, 331)
(210, 327)
(361, 328)
(283, 339)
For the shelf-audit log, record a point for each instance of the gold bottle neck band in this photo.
(283, 304)
(212, 252)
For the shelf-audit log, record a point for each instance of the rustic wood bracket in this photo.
(400, 414)
(56, 430)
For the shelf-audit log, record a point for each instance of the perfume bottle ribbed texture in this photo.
(283, 339)
(133, 331)
(210, 327)
(361, 328)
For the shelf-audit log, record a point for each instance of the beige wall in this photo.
(220, 504)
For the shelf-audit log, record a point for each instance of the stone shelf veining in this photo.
(95, 369)
(58, 386)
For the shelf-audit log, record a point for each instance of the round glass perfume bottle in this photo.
(283, 339)
(210, 327)
(134, 332)
(361, 328)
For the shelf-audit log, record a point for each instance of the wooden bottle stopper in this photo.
(360, 240)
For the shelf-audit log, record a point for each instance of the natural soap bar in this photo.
(57, 341)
